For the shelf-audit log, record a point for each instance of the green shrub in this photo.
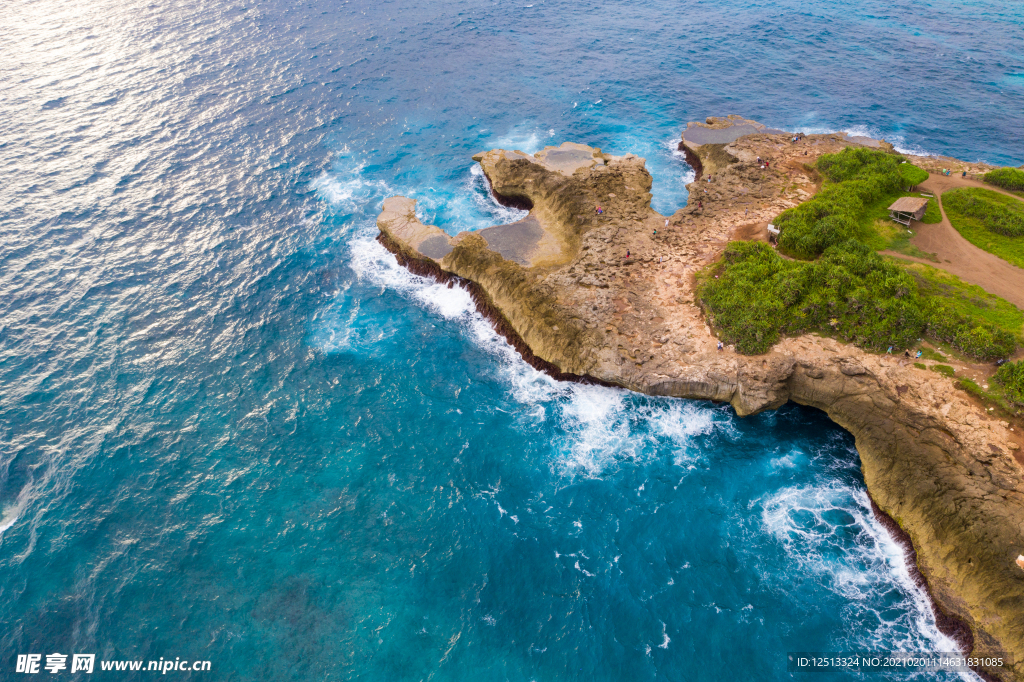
(856, 176)
(751, 296)
(1011, 377)
(912, 175)
(969, 386)
(866, 299)
(997, 216)
(1007, 178)
(859, 162)
(932, 214)
(850, 291)
(968, 334)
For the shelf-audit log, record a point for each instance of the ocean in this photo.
(233, 429)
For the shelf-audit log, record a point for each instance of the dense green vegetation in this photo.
(1011, 377)
(859, 182)
(753, 295)
(850, 291)
(1000, 214)
(1007, 178)
(989, 220)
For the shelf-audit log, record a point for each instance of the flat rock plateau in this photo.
(946, 477)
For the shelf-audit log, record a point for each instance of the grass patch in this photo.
(932, 214)
(1008, 178)
(967, 300)
(1010, 377)
(997, 396)
(886, 235)
(945, 370)
(920, 365)
(971, 387)
(929, 354)
(991, 221)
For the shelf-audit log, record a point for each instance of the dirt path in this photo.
(960, 257)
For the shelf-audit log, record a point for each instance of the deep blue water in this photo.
(232, 429)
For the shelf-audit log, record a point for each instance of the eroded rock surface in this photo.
(561, 286)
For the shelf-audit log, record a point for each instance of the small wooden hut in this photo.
(905, 209)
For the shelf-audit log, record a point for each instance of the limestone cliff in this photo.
(595, 284)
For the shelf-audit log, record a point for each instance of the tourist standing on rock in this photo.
(720, 346)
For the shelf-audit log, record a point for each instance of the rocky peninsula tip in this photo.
(595, 285)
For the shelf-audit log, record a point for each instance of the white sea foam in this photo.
(348, 190)
(10, 514)
(8, 520)
(525, 138)
(598, 430)
(373, 264)
(606, 427)
(486, 204)
(814, 526)
(673, 147)
(681, 422)
(665, 639)
(899, 142)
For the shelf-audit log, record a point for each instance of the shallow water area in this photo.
(233, 429)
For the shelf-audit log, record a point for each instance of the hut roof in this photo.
(908, 204)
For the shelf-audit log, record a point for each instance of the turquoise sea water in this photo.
(233, 429)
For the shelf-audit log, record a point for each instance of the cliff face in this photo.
(559, 284)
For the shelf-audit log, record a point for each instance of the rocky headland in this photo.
(609, 296)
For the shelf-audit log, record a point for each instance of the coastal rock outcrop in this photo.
(594, 284)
